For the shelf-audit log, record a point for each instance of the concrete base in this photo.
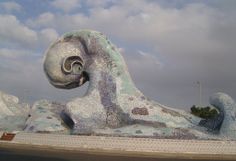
(69, 146)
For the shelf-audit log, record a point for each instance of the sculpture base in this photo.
(70, 146)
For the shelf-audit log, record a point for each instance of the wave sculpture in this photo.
(112, 104)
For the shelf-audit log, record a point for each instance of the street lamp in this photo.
(200, 93)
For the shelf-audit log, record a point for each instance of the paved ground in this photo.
(69, 145)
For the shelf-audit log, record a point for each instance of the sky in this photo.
(168, 45)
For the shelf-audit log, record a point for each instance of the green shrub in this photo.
(204, 112)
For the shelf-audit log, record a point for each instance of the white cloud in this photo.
(47, 36)
(100, 3)
(61, 22)
(143, 65)
(13, 53)
(44, 19)
(186, 38)
(135, 20)
(66, 5)
(151, 58)
(10, 6)
(13, 31)
(195, 41)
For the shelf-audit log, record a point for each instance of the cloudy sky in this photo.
(168, 45)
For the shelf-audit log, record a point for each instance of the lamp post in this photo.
(200, 93)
